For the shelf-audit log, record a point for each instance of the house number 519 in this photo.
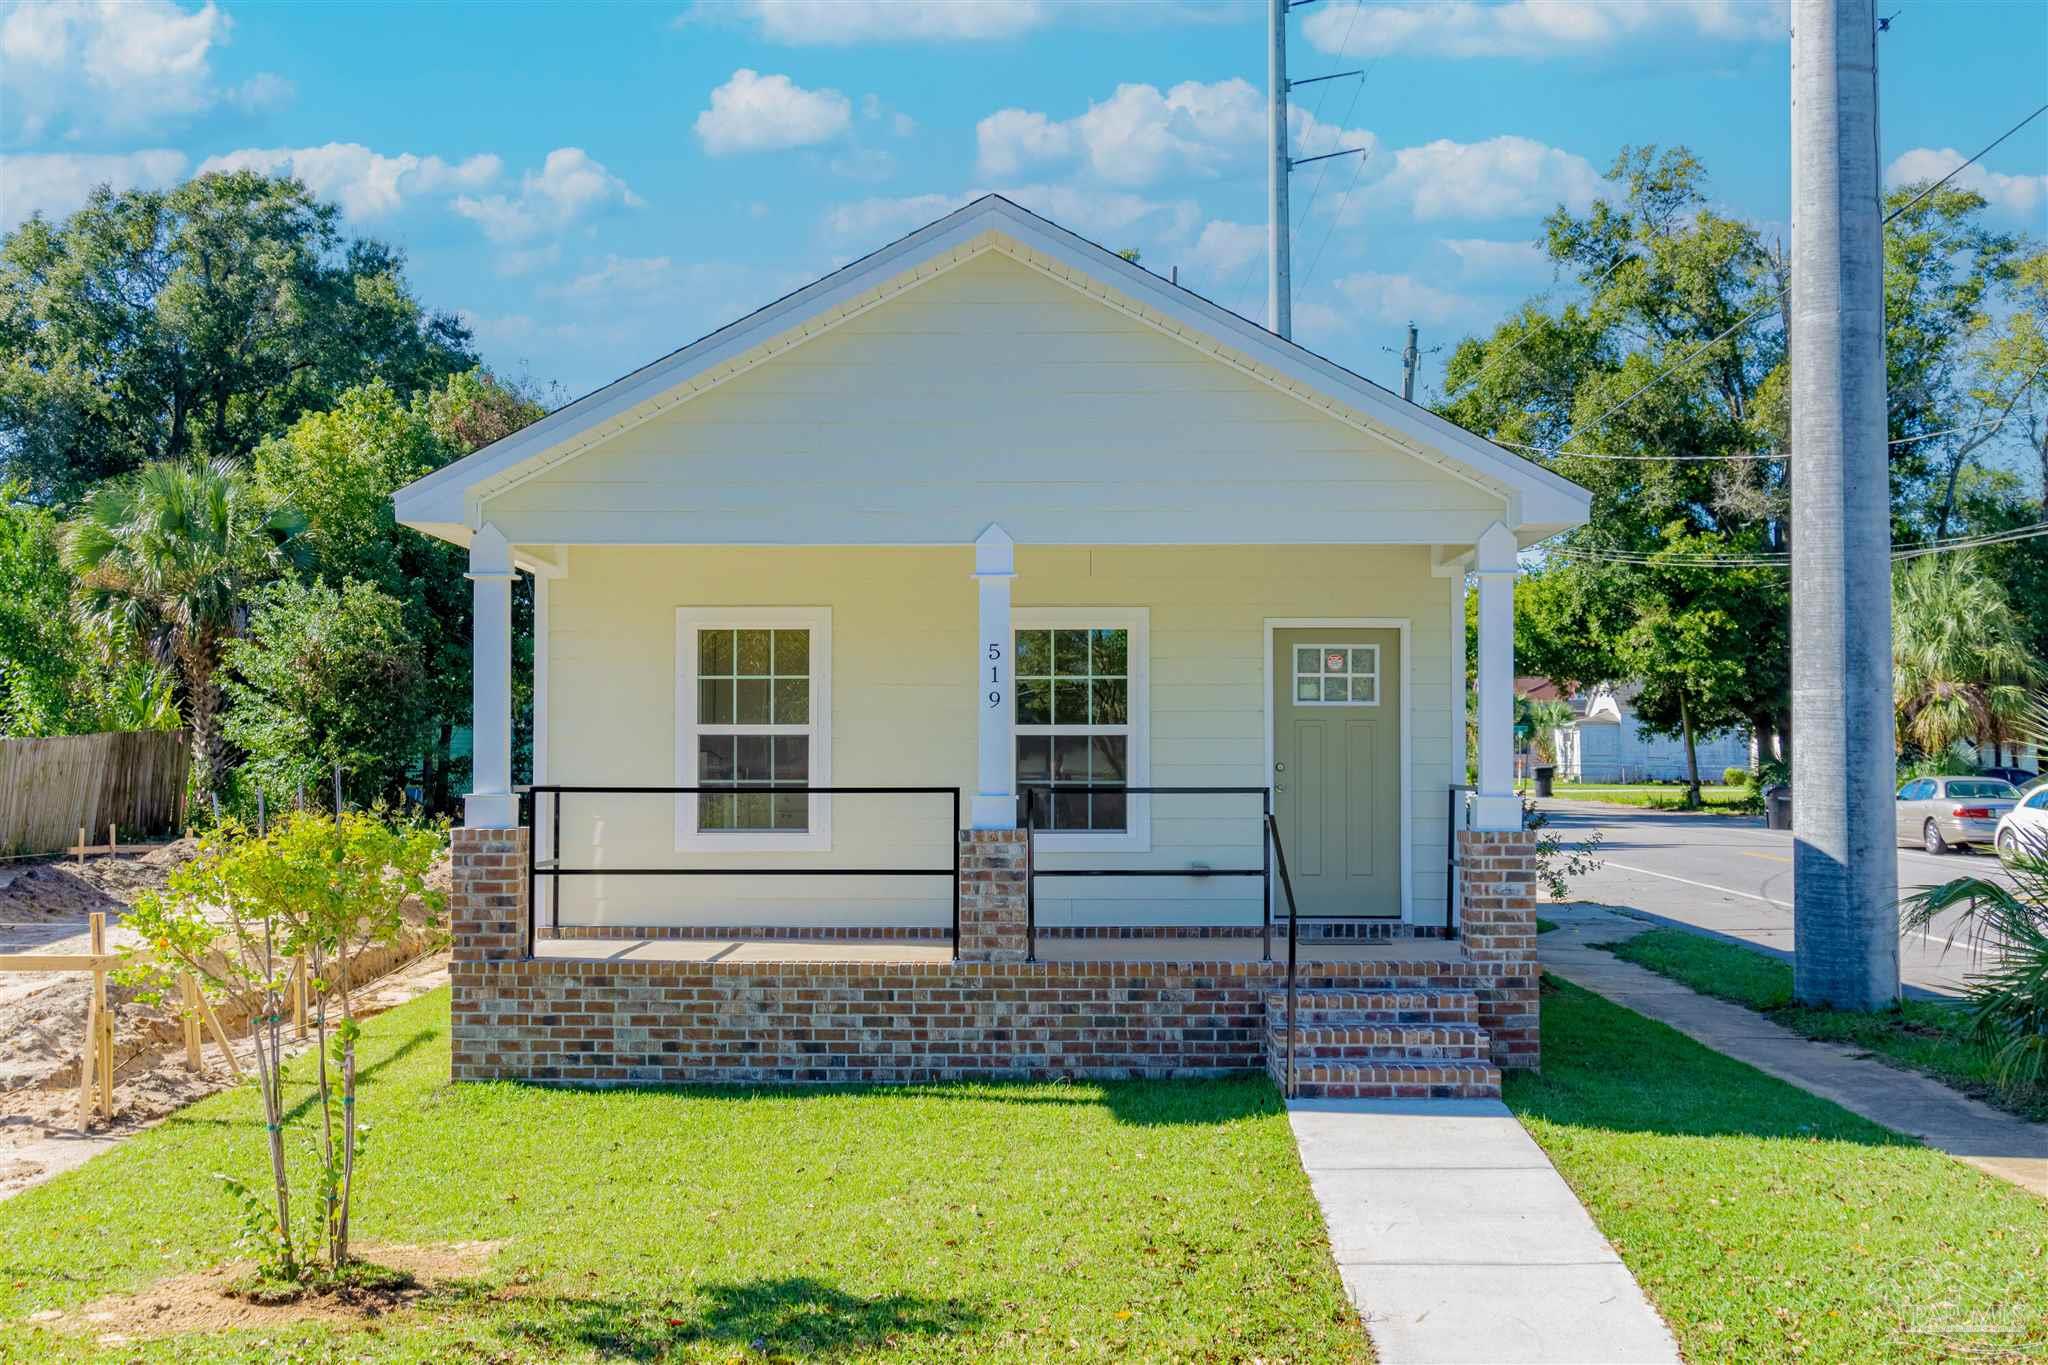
(995, 675)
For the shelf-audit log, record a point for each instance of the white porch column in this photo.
(995, 787)
(491, 803)
(1496, 806)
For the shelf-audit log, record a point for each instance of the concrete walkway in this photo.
(1459, 1242)
(2003, 1145)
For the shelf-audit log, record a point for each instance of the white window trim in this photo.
(1137, 623)
(1375, 675)
(818, 620)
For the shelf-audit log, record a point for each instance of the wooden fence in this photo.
(52, 788)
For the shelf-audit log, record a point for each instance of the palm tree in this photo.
(164, 557)
(1961, 667)
(2006, 927)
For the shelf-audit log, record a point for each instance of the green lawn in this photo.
(1133, 1221)
(1925, 1035)
(1768, 1224)
(1717, 800)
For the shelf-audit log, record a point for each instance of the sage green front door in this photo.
(1337, 768)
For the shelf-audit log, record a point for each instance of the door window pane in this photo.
(1341, 675)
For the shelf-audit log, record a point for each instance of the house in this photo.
(986, 530)
(1607, 744)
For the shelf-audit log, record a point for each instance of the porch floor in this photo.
(1049, 950)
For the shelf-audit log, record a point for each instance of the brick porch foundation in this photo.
(988, 1015)
(1497, 924)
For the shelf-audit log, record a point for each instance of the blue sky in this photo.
(592, 186)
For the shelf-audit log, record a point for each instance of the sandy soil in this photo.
(42, 1016)
(205, 1301)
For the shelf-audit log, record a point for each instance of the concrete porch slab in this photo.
(1458, 1240)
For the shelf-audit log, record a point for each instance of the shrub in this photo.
(318, 887)
(1735, 777)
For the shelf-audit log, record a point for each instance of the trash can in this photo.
(1778, 807)
(1545, 777)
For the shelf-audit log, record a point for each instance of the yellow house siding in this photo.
(993, 392)
(903, 713)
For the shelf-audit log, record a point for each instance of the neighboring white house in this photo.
(990, 507)
(1607, 744)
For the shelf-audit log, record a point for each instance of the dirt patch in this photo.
(61, 888)
(206, 1301)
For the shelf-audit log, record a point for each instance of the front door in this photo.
(1337, 768)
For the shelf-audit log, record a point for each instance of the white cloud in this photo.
(756, 113)
(870, 220)
(366, 184)
(1502, 177)
(636, 275)
(871, 165)
(56, 184)
(263, 91)
(568, 185)
(1532, 28)
(1482, 258)
(1401, 298)
(1114, 218)
(2016, 194)
(1141, 134)
(813, 22)
(1225, 247)
(116, 65)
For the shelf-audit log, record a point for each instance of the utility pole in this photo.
(1279, 225)
(1845, 866)
(1409, 355)
(1279, 250)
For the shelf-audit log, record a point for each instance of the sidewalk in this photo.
(2003, 1145)
(1459, 1242)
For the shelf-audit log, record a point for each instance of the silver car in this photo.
(1939, 813)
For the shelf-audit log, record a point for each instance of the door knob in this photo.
(1279, 767)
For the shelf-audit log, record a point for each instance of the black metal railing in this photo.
(1032, 872)
(530, 804)
(1279, 855)
(1454, 821)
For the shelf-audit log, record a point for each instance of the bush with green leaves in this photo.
(1735, 777)
(321, 888)
(326, 677)
(1556, 861)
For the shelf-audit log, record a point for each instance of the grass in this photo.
(1716, 800)
(1130, 1221)
(1930, 1036)
(1768, 1224)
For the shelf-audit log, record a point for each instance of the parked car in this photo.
(2020, 778)
(2025, 827)
(1938, 813)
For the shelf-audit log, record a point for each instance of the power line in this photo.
(1966, 165)
(1771, 456)
(1772, 302)
(1647, 559)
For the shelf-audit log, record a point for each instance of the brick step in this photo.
(1391, 1080)
(1349, 1007)
(1390, 1042)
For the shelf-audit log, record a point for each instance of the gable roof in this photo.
(447, 502)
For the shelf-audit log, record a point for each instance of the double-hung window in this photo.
(753, 709)
(1080, 721)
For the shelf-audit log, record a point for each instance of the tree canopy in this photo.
(195, 322)
(1662, 388)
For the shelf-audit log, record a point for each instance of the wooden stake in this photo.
(88, 1065)
(220, 1036)
(299, 998)
(80, 850)
(113, 838)
(188, 987)
(103, 1019)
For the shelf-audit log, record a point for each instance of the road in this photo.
(1730, 875)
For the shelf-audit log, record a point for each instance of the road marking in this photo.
(1704, 886)
(1925, 936)
(1774, 857)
